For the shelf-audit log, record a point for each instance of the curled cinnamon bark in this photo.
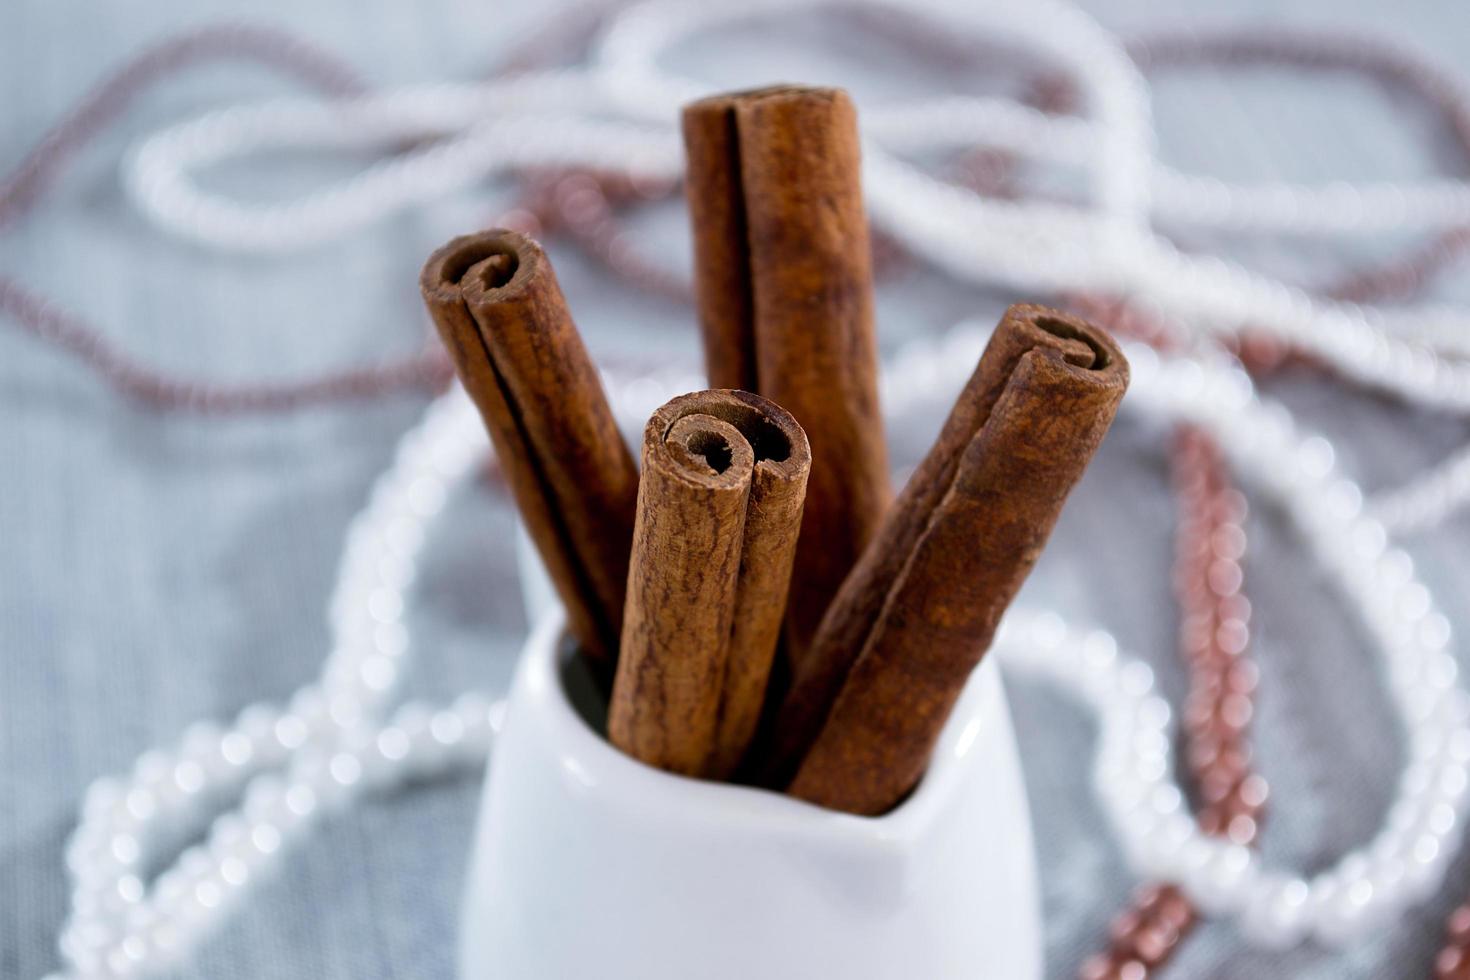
(920, 608)
(783, 279)
(719, 509)
(501, 314)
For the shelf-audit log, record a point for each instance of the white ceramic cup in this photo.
(589, 865)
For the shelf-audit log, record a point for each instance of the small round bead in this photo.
(1452, 963)
(1099, 966)
(1459, 925)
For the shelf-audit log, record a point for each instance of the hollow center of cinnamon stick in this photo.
(712, 448)
(766, 439)
(496, 268)
(1094, 356)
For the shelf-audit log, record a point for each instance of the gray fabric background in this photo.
(158, 568)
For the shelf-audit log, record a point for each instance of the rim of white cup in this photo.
(591, 764)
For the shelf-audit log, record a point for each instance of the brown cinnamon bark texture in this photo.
(783, 279)
(921, 607)
(719, 510)
(501, 314)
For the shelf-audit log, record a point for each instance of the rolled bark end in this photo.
(775, 439)
(1080, 342)
(493, 257)
(710, 451)
(496, 303)
(783, 281)
(719, 509)
(919, 610)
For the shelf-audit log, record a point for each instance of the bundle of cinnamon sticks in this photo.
(758, 604)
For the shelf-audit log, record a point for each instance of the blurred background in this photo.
(189, 427)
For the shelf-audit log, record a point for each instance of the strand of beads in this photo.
(1214, 632)
(1405, 861)
(1453, 962)
(1044, 245)
(1027, 244)
(120, 927)
(334, 748)
(1047, 246)
(427, 371)
(292, 763)
(23, 186)
(1404, 276)
(1425, 501)
(582, 205)
(1400, 864)
(1429, 498)
(109, 99)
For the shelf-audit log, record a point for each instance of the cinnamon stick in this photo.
(719, 509)
(783, 280)
(501, 314)
(921, 607)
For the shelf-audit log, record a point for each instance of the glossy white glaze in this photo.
(589, 863)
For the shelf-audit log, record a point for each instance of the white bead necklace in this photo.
(332, 741)
(561, 118)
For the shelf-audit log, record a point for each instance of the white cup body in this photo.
(589, 865)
